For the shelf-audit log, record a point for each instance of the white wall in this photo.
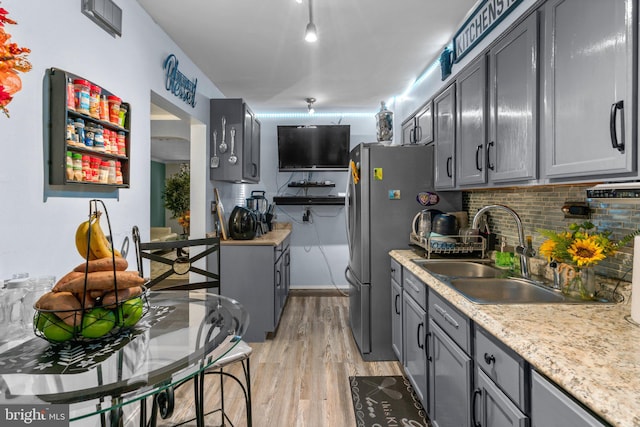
(38, 222)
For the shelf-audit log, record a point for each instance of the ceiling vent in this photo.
(105, 13)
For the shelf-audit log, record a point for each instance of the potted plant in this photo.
(176, 197)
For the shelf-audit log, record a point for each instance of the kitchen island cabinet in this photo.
(580, 348)
(256, 273)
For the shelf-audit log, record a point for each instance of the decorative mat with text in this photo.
(386, 401)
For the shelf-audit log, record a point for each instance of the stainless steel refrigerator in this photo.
(380, 205)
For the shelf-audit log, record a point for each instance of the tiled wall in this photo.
(539, 208)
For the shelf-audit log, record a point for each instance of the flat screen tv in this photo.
(313, 148)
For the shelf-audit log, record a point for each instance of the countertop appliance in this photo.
(243, 224)
(382, 198)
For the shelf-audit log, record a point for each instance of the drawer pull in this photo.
(413, 286)
(440, 310)
(489, 359)
(451, 321)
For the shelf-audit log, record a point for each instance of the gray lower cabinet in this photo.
(396, 310)
(587, 87)
(500, 398)
(512, 150)
(492, 408)
(414, 327)
(257, 276)
(444, 130)
(450, 366)
(450, 381)
(551, 407)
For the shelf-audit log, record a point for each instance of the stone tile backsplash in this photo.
(540, 207)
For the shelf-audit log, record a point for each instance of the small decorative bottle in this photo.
(384, 120)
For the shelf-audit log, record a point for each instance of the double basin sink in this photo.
(482, 283)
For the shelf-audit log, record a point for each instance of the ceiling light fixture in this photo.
(299, 1)
(310, 102)
(311, 34)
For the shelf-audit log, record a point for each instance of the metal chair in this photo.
(180, 263)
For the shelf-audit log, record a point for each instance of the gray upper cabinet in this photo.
(512, 148)
(236, 133)
(444, 109)
(587, 87)
(471, 123)
(418, 129)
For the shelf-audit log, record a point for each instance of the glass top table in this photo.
(183, 333)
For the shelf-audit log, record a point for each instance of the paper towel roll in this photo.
(635, 281)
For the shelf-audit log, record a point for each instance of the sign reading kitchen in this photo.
(480, 23)
(177, 83)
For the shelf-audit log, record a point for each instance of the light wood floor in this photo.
(300, 376)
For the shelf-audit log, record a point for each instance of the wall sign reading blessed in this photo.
(177, 83)
(480, 23)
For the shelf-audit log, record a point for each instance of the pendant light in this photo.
(310, 108)
(311, 34)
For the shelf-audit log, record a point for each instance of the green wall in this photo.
(158, 177)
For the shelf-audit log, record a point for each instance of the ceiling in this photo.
(367, 51)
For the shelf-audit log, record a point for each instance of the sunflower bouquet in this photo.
(578, 249)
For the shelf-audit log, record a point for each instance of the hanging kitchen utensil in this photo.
(232, 157)
(223, 144)
(215, 160)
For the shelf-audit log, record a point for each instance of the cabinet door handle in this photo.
(449, 162)
(612, 125)
(396, 303)
(427, 341)
(489, 164)
(477, 392)
(279, 281)
(418, 133)
(439, 310)
(420, 326)
(254, 169)
(287, 259)
(412, 135)
(489, 359)
(451, 321)
(478, 150)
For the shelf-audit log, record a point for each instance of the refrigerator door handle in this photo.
(348, 209)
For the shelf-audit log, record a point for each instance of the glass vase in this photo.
(580, 282)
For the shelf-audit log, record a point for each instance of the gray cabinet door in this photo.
(471, 123)
(450, 381)
(415, 358)
(512, 147)
(251, 146)
(444, 109)
(492, 408)
(424, 124)
(241, 122)
(396, 320)
(409, 131)
(588, 69)
(550, 407)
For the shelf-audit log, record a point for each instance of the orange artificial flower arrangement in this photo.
(13, 59)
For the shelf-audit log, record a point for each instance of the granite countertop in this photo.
(591, 351)
(273, 238)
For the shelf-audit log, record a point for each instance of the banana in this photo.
(99, 246)
(81, 239)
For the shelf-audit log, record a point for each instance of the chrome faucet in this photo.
(524, 248)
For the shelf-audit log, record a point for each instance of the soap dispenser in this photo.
(505, 256)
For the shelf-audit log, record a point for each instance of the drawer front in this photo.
(454, 323)
(502, 365)
(396, 271)
(415, 288)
